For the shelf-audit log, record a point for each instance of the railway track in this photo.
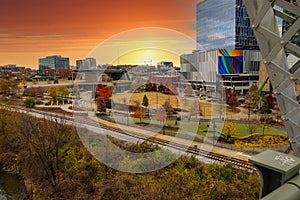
(213, 156)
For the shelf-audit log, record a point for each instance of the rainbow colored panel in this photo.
(230, 61)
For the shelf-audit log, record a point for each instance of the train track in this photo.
(209, 155)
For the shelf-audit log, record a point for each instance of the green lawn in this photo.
(242, 129)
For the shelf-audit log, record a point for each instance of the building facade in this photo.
(238, 69)
(53, 62)
(224, 24)
(88, 63)
(227, 52)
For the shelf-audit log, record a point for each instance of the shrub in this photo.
(29, 102)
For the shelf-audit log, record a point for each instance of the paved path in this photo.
(208, 147)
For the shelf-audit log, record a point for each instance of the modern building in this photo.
(227, 52)
(88, 63)
(224, 24)
(53, 62)
(237, 69)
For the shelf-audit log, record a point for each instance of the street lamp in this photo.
(156, 96)
(214, 130)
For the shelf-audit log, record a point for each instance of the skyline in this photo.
(29, 29)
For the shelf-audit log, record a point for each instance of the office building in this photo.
(227, 51)
(53, 62)
(224, 24)
(88, 63)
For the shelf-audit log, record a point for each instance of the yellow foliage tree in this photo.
(229, 128)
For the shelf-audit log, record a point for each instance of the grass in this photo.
(242, 129)
(177, 102)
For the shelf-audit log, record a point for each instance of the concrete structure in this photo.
(231, 68)
(53, 62)
(88, 63)
(228, 53)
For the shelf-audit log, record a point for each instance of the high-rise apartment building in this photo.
(53, 62)
(224, 24)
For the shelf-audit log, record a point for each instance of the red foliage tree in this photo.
(138, 114)
(103, 92)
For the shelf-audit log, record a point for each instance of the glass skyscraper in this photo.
(53, 62)
(224, 24)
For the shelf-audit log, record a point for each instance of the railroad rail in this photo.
(209, 155)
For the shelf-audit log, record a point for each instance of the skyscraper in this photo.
(53, 62)
(224, 24)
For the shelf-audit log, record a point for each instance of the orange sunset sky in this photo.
(31, 29)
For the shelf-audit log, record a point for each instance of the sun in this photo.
(147, 56)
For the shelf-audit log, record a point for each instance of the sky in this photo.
(31, 29)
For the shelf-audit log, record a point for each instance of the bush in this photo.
(29, 102)
(38, 102)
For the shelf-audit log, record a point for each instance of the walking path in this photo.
(176, 140)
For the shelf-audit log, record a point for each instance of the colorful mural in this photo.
(230, 61)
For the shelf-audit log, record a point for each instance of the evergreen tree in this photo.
(145, 101)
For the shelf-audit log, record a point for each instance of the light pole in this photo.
(156, 96)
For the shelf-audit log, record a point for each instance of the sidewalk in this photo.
(207, 147)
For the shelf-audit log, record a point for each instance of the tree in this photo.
(145, 101)
(4, 86)
(63, 91)
(53, 92)
(137, 104)
(195, 109)
(29, 102)
(188, 91)
(101, 106)
(232, 101)
(229, 128)
(269, 101)
(139, 114)
(252, 98)
(55, 81)
(103, 91)
(252, 127)
(161, 116)
(13, 86)
(264, 125)
(168, 107)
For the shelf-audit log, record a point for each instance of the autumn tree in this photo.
(139, 114)
(101, 106)
(145, 101)
(232, 100)
(137, 104)
(252, 127)
(252, 98)
(195, 109)
(161, 116)
(168, 107)
(103, 92)
(4, 86)
(229, 128)
(268, 103)
(103, 95)
(13, 86)
(63, 92)
(53, 92)
(188, 91)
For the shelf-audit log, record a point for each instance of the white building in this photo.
(88, 63)
(231, 68)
